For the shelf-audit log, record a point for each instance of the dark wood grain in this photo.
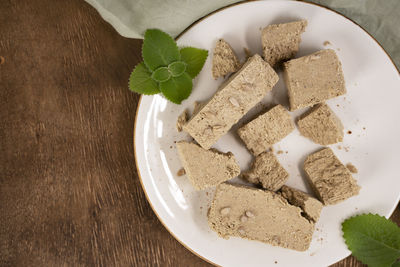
(69, 190)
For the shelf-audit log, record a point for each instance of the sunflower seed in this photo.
(315, 57)
(218, 127)
(225, 211)
(249, 214)
(234, 102)
(208, 113)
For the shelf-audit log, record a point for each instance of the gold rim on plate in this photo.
(140, 99)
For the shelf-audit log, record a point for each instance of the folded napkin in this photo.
(132, 17)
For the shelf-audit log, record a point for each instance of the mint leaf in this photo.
(194, 58)
(372, 239)
(141, 82)
(165, 68)
(177, 89)
(161, 74)
(177, 68)
(159, 49)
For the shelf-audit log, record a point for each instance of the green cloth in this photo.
(380, 18)
(132, 17)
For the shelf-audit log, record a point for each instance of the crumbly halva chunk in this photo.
(247, 52)
(280, 42)
(321, 125)
(224, 60)
(266, 130)
(352, 168)
(182, 119)
(267, 171)
(261, 215)
(310, 206)
(206, 168)
(235, 98)
(329, 178)
(197, 105)
(313, 79)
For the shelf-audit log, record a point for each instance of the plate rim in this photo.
(177, 38)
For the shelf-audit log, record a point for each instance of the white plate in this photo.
(369, 110)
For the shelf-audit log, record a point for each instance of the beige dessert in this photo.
(224, 60)
(197, 105)
(206, 168)
(260, 215)
(281, 41)
(247, 52)
(310, 206)
(321, 125)
(266, 130)
(182, 119)
(235, 98)
(267, 171)
(351, 168)
(329, 178)
(313, 79)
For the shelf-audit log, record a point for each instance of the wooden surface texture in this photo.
(69, 190)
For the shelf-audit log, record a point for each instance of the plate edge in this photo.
(176, 38)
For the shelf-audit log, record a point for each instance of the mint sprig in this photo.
(373, 239)
(166, 68)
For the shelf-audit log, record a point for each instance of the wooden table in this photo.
(69, 190)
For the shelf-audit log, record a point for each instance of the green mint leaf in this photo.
(177, 68)
(159, 49)
(194, 58)
(165, 68)
(372, 239)
(141, 82)
(177, 89)
(161, 74)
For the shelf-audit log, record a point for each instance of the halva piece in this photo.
(329, 178)
(258, 214)
(197, 105)
(235, 98)
(352, 168)
(266, 130)
(313, 79)
(206, 168)
(311, 207)
(224, 60)
(182, 119)
(267, 171)
(280, 42)
(321, 125)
